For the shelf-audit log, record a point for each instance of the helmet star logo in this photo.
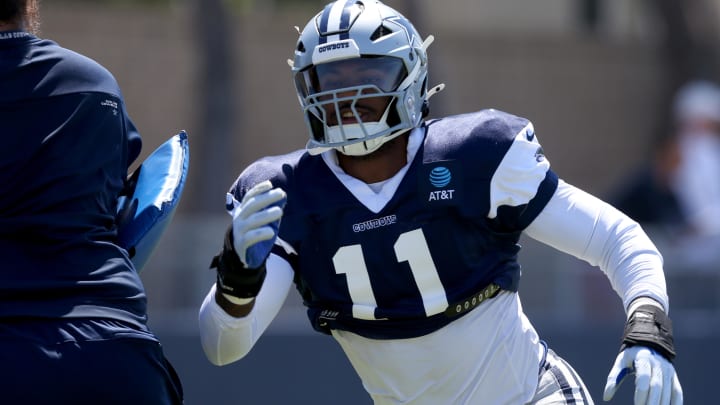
(405, 25)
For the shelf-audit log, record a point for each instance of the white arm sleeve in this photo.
(590, 229)
(226, 339)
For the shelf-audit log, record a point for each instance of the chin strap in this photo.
(436, 89)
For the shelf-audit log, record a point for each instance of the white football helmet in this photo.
(349, 56)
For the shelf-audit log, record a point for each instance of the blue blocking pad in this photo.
(151, 198)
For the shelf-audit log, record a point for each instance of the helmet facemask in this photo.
(353, 100)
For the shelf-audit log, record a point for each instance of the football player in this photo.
(401, 233)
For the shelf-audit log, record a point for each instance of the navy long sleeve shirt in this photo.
(67, 143)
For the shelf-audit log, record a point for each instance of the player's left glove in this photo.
(647, 351)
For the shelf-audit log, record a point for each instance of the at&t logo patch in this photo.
(440, 177)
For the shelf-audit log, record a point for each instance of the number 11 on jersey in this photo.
(410, 247)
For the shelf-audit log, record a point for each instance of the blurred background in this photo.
(598, 78)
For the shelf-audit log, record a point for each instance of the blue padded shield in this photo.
(151, 198)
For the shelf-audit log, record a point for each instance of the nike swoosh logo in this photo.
(530, 135)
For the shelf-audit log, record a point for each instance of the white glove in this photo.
(655, 379)
(256, 221)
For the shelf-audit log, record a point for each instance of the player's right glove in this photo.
(647, 351)
(241, 262)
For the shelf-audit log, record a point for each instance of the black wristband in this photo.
(650, 326)
(233, 278)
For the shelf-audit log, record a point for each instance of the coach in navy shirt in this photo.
(72, 306)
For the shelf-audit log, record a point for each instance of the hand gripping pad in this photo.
(151, 198)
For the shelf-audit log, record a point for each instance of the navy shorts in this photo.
(83, 362)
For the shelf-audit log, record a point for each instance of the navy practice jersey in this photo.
(438, 242)
(66, 147)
